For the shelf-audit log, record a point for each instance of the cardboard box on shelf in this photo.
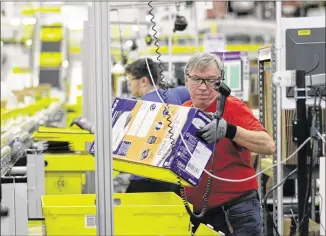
(141, 134)
(313, 227)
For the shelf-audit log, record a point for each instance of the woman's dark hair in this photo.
(139, 69)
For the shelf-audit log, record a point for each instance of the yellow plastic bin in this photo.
(134, 214)
(66, 173)
(59, 183)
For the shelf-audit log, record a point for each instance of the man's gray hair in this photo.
(201, 61)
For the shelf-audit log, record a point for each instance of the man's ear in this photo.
(145, 80)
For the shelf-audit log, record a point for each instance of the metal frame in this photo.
(262, 190)
(120, 5)
(322, 190)
(268, 55)
(14, 198)
(88, 109)
(35, 185)
(100, 53)
(278, 98)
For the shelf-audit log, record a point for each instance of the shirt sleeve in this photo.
(182, 93)
(243, 116)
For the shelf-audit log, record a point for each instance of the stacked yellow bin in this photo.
(52, 55)
(134, 214)
(65, 172)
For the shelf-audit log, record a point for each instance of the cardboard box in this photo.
(314, 228)
(141, 134)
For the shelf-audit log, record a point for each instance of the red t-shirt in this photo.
(231, 161)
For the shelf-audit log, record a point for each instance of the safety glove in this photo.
(83, 123)
(210, 114)
(216, 130)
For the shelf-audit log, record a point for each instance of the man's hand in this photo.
(83, 123)
(213, 131)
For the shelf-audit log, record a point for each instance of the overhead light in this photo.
(129, 44)
(118, 69)
(16, 21)
(244, 6)
(29, 42)
(29, 21)
(65, 64)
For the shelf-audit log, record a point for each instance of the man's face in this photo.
(200, 85)
(134, 85)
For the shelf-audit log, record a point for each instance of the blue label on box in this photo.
(123, 149)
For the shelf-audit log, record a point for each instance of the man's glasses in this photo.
(211, 81)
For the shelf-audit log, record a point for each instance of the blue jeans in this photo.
(242, 219)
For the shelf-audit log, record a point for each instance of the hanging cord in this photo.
(269, 192)
(122, 51)
(219, 112)
(161, 82)
(161, 69)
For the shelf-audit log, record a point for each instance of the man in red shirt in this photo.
(234, 207)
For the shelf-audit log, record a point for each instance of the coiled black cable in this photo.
(161, 82)
(161, 76)
(165, 97)
(156, 43)
(170, 131)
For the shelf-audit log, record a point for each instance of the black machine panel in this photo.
(305, 50)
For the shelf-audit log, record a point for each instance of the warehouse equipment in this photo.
(146, 214)
(54, 174)
(284, 76)
(59, 166)
(67, 139)
(14, 187)
(310, 42)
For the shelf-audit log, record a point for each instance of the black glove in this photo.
(217, 129)
(83, 123)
